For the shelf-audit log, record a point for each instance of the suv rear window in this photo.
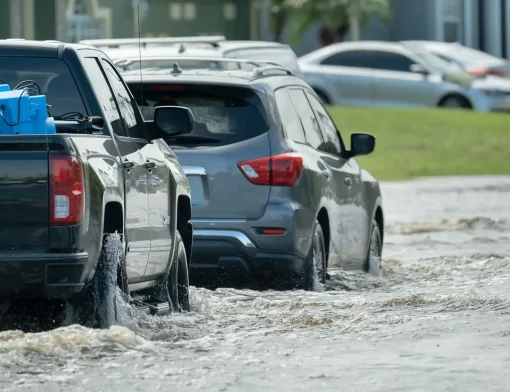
(52, 77)
(228, 114)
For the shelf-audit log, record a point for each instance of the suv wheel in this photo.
(314, 278)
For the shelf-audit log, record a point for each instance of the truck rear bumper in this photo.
(41, 275)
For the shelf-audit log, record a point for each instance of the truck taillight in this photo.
(66, 190)
(279, 170)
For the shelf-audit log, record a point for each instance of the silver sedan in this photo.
(387, 74)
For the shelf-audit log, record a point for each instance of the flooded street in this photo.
(438, 320)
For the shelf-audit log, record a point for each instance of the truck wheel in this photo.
(100, 305)
(178, 279)
(373, 261)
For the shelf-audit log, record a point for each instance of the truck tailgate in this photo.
(24, 196)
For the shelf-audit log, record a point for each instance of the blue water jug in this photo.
(21, 114)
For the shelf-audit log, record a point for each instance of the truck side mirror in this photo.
(173, 120)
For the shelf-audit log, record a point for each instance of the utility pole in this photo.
(61, 20)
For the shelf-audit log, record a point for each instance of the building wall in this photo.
(482, 24)
(204, 17)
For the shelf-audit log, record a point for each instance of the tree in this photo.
(338, 17)
(279, 14)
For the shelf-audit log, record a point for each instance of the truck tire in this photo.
(178, 279)
(100, 305)
(174, 290)
(373, 262)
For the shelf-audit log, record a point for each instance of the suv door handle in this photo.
(128, 164)
(150, 165)
(348, 181)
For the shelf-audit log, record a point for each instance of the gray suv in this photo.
(275, 192)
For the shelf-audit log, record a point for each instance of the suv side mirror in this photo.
(362, 144)
(172, 121)
(417, 68)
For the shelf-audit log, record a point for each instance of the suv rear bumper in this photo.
(41, 275)
(231, 254)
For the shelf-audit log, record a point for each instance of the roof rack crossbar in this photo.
(261, 71)
(114, 43)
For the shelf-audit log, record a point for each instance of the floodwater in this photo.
(437, 320)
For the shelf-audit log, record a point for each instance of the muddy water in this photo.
(437, 320)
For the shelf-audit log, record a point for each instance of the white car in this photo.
(474, 61)
(377, 73)
(263, 51)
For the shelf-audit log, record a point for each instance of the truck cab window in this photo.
(53, 79)
(105, 95)
(127, 108)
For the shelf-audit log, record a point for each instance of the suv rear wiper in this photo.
(191, 139)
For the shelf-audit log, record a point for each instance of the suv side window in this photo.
(389, 61)
(308, 120)
(351, 58)
(328, 127)
(125, 102)
(290, 120)
(105, 95)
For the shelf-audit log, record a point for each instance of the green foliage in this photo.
(332, 13)
(429, 142)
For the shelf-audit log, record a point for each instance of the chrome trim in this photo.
(242, 238)
(194, 170)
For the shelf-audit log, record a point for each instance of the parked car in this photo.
(211, 46)
(474, 61)
(276, 193)
(72, 227)
(373, 73)
(146, 42)
(184, 62)
(120, 55)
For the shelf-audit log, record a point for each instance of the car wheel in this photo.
(454, 102)
(100, 304)
(373, 263)
(316, 265)
(178, 279)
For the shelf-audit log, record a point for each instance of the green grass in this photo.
(429, 142)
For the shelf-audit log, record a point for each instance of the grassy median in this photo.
(429, 142)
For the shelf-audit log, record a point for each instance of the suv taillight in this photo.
(66, 190)
(279, 170)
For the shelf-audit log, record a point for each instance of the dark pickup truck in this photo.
(100, 207)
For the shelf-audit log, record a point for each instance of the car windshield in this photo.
(167, 63)
(223, 114)
(53, 79)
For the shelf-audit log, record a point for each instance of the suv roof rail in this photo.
(260, 72)
(256, 63)
(118, 42)
(124, 61)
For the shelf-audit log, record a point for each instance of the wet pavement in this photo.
(437, 320)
